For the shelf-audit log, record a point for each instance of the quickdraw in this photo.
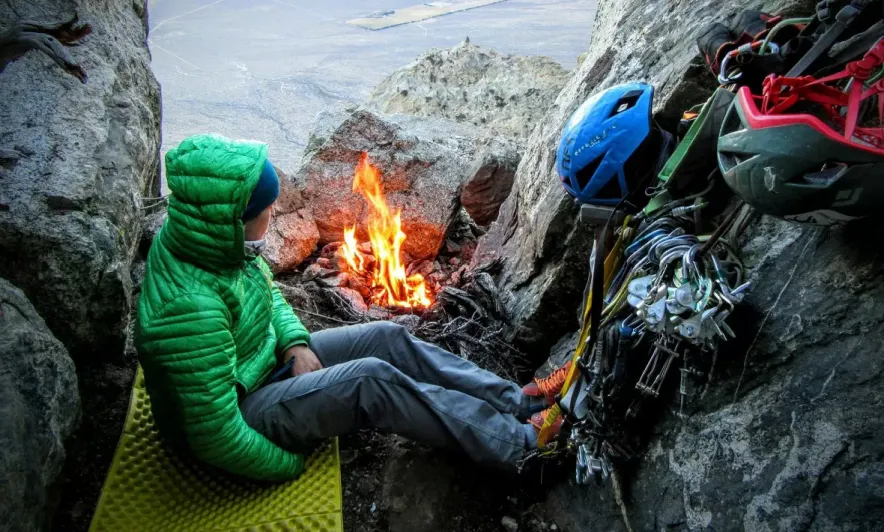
(663, 296)
(611, 264)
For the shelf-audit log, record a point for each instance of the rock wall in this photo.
(504, 96)
(70, 213)
(423, 163)
(543, 252)
(507, 94)
(788, 436)
(38, 409)
(71, 216)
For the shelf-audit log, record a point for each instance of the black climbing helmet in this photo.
(822, 168)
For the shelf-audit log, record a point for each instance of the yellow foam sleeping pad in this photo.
(612, 263)
(150, 488)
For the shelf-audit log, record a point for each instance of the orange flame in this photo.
(390, 286)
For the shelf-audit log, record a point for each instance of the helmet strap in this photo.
(667, 146)
(779, 94)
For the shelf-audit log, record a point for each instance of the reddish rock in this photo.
(335, 262)
(466, 250)
(491, 179)
(406, 258)
(315, 271)
(358, 283)
(291, 238)
(438, 277)
(353, 298)
(335, 281)
(330, 250)
(423, 267)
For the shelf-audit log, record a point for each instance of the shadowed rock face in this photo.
(38, 409)
(70, 214)
(491, 178)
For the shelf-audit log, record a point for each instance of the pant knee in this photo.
(389, 334)
(375, 368)
(388, 328)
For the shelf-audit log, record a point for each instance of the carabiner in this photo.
(726, 79)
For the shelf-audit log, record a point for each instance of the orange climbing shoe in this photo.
(537, 422)
(548, 386)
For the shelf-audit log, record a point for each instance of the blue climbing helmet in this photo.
(609, 144)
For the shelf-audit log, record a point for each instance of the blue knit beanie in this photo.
(265, 193)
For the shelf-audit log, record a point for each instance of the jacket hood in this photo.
(211, 179)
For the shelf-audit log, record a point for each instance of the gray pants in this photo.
(378, 376)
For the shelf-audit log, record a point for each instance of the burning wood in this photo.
(365, 281)
(467, 319)
(381, 264)
(441, 300)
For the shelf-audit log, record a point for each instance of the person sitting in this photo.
(212, 328)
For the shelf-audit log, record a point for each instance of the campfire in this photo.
(382, 266)
(441, 299)
(370, 269)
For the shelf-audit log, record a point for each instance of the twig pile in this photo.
(467, 319)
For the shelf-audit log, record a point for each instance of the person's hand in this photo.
(305, 360)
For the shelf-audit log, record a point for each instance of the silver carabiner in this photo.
(581, 471)
(726, 79)
(723, 77)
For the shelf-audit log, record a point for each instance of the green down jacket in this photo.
(210, 321)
